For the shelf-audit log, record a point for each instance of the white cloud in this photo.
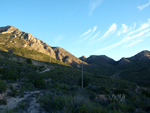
(94, 28)
(134, 25)
(112, 29)
(124, 29)
(142, 27)
(94, 4)
(125, 39)
(86, 32)
(143, 6)
(128, 38)
(95, 35)
(133, 43)
(119, 32)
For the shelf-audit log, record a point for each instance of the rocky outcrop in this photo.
(30, 42)
(83, 58)
(65, 56)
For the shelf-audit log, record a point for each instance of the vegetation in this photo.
(3, 86)
(62, 84)
(29, 61)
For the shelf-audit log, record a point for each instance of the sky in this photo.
(115, 28)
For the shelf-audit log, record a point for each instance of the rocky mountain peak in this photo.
(123, 61)
(65, 56)
(29, 41)
(7, 29)
(100, 60)
(142, 56)
(82, 58)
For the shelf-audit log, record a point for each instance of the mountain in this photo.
(11, 37)
(100, 60)
(141, 57)
(82, 58)
(65, 56)
(123, 61)
(21, 43)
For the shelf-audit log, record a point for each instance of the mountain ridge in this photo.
(20, 39)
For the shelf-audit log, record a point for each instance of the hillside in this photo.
(38, 89)
(65, 56)
(24, 44)
(11, 36)
(100, 60)
(134, 69)
(38, 78)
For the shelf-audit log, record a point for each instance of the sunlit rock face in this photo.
(65, 56)
(30, 42)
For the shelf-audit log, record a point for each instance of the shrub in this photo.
(8, 74)
(86, 81)
(29, 61)
(39, 83)
(3, 86)
(117, 98)
(71, 104)
(14, 91)
(146, 93)
(120, 91)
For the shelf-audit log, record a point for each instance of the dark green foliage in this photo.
(7, 74)
(65, 75)
(29, 61)
(13, 92)
(86, 81)
(73, 104)
(3, 102)
(3, 86)
(120, 91)
(39, 83)
(37, 80)
(146, 93)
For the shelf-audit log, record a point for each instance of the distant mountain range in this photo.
(14, 41)
(12, 38)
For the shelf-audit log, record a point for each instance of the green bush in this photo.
(39, 83)
(72, 104)
(14, 91)
(29, 61)
(8, 74)
(3, 86)
(120, 91)
(146, 93)
(86, 81)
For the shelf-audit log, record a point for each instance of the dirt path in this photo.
(28, 104)
(48, 69)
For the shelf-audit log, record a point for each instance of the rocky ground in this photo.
(26, 104)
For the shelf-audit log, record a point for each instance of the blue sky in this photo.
(116, 28)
